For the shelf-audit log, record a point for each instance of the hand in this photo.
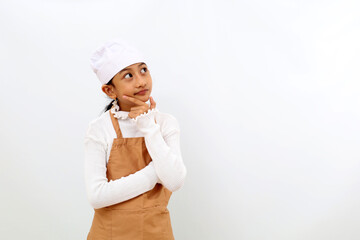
(141, 107)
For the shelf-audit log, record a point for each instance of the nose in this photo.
(141, 81)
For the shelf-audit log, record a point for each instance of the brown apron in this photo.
(144, 217)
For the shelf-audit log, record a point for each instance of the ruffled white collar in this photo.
(115, 110)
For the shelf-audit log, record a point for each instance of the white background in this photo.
(266, 94)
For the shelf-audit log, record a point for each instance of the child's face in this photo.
(129, 81)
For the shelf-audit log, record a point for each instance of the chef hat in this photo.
(112, 56)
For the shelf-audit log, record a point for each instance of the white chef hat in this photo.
(112, 56)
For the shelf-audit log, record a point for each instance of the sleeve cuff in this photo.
(146, 121)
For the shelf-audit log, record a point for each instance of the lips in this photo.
(142, 91)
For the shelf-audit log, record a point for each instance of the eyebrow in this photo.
(129, 68)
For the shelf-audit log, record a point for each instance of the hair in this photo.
(110, 104)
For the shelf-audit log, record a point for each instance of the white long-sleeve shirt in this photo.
(162, 141)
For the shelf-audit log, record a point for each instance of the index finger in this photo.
(134, 100)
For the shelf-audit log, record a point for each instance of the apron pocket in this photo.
(126, 225)
(156, 224)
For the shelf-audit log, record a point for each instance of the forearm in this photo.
(168, 164)
(164, 151)
(100, 191)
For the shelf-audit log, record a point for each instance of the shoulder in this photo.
(96, 127)
(167, 122)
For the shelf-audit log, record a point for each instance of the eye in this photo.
(128, 74)
(144, 68)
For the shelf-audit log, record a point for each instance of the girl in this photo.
(133, 161)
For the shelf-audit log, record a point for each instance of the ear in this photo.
(108, 90)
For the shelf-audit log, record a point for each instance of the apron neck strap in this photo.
(115, 124)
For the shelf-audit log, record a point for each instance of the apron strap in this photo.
(116, 126)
